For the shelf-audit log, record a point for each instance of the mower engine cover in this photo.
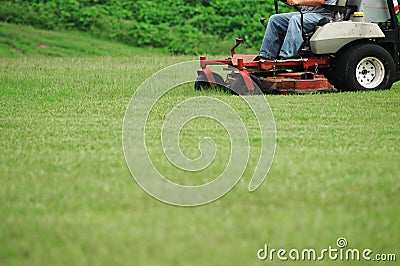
(333, 36)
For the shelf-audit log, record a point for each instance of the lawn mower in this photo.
(359, 50)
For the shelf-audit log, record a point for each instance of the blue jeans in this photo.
(283, 36)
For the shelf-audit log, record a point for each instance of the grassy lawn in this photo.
(67, 196)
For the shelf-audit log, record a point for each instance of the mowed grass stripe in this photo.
(67, 196)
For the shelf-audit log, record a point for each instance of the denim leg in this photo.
(275, 34)
(294, 38)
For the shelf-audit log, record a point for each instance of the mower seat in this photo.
(342, 12)
(343, 9)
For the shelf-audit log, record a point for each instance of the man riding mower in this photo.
(351, 45)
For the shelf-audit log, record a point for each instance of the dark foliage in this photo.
(189, 27)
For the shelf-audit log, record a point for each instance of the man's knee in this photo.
(274, 19)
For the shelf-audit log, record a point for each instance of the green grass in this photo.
(67, 197)
(19, 40)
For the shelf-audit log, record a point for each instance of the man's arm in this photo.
(305, 2)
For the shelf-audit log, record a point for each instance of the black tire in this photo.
(364, 67)
(256, 80)
(332, 77)
(239, 87)
(202, 83)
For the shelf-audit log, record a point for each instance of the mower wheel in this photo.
(365, 67)
(239, 87)
(202, 82)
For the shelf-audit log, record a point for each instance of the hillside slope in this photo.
(17, 40)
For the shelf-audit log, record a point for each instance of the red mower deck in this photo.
(277, 76)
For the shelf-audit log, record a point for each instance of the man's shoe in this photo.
(260, 57)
